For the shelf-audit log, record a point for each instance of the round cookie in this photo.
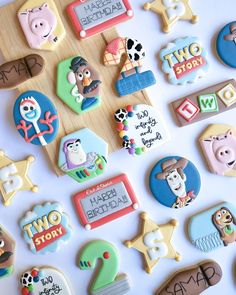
(175, 182)
(226, 44)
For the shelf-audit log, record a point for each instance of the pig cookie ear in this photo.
(45, 5)
(230, 132)
(71, 78)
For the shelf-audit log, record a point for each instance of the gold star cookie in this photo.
(171, 11)
(154, 241)
(14, 178)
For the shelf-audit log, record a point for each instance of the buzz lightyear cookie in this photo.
(213, 228)
(7, 253)
(226, 44)
(184, 60)
(141, 128)
(46, 228)
(175, 182)
(218, 145)
(78, 84)
(44, 280)
(83, 155)
(41, 24)
(36, 118)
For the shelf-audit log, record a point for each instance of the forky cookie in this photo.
(130, 79)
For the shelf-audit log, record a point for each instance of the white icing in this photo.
(11, 181)
(157, 249)
(174, 9)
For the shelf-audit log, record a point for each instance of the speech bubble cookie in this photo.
(7, 253)
(175, 182)
(41, 24)
(184, 60)
(141, 128)
(46, 228)
(218, 144)
(44, 280)
(213, 228)
(36, 118)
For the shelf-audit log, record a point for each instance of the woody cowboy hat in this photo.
(170, 165)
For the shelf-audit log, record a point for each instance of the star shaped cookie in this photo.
(14, 177)
(171, 11)
(154, 241)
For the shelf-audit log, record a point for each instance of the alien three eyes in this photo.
(86, 74)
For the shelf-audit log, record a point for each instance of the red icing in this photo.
(188, 66)
(106, 255)
(113, 47)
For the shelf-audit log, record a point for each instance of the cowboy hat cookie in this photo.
(192, 280)
(213, 228)
(44, 280)
(226, 44)
(218, 144)
(175, 182)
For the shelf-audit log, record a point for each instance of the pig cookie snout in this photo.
(225, 154)
(40, 27)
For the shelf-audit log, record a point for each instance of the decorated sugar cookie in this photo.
(171, 11)
(154, 241)
(78, 84)
(141, 128)
(184, 60)
(46, 228)
(218, 144)
(213, 228)
(41, 24)
(7, 253)
(226, 44)
(192, 280)
(83, 155)
(90, 17)
(36, 118)
(107, 280)
(175, 182)
(14, 177)
(130, 79)
(105, 202)
(15, 72)
(44, 280)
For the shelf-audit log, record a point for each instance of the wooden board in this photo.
(14, 45)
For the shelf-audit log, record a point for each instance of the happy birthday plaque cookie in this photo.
(7, 253)
(90, 17)
(226, 44)
(41, 24)
(154, 241)
(141, 128)
(83, 155)
(78, 84)
(36, 118)
(218, 144)
(44, 280)
(171, 11)
(213, 228)
(175, 182)
(184, 60)
(46, 228)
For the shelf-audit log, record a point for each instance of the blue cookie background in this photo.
(45, 105)
(160, 188)
(226, 49)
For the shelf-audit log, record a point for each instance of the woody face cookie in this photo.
(44, 280)
(213, 228)
(7, 253)
(14, 177)
(184, 60)
(171, 11)
(154, 241)
(41, 24)
(46, 228)
(175, 182)
(218, 145)
(193, 280)
(15, 72)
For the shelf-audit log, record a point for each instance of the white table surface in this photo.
(146, 27)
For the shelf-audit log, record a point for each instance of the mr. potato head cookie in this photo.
(175, 182)
(218, 145)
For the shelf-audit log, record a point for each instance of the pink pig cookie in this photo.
(220, 149)
(38, 25)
